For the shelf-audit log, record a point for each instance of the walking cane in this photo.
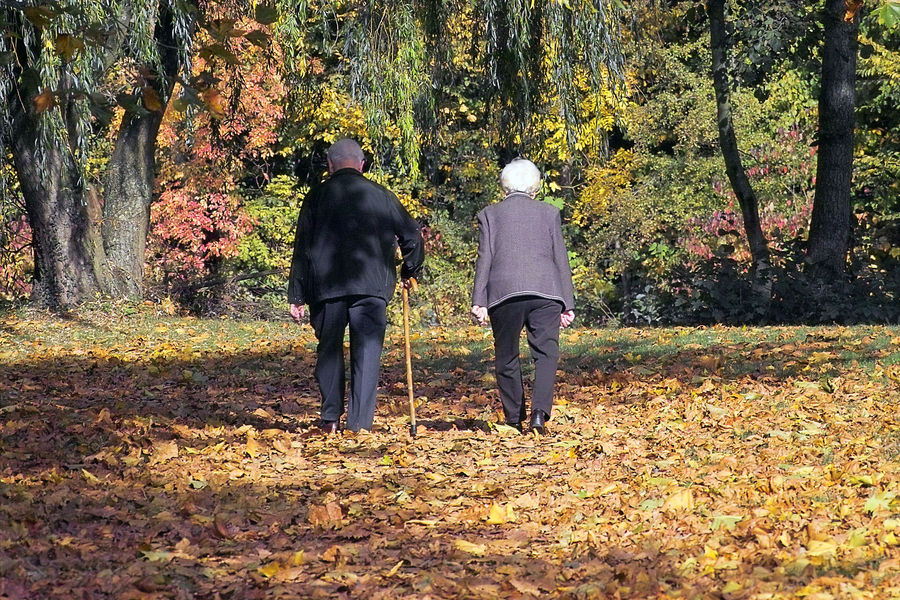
(409, 377)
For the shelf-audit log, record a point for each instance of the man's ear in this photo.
(362, 164)
(330, 166)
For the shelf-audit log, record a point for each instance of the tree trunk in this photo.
(127, 191)
(830, 226)
(70, 264)
(734, 168)
(128, 181)
(85, 245)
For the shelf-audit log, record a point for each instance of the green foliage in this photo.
(274, 214)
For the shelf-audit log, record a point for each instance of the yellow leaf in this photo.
(253, 448)
(470, 548)
(681, 500)
(497, 516)
(214, 102)
(298, 558)
(823, 548)
(732, 587)
(89, 477)
(271, 569)
(394, 570)
(68, 46)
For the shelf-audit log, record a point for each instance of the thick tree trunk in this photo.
(85, 245)
(734, 168)
(70, 264)
(128, 181)
(830, 226)
(128, 190)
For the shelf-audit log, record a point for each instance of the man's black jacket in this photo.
(346, 240)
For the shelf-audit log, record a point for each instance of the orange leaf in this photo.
(44, 101)
(853, 7)
(214, 102)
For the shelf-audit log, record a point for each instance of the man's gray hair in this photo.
(520, 175)
(345, 153)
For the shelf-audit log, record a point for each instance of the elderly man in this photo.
(523, 279)
(344, 268)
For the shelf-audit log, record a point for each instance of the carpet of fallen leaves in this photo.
(147, 457)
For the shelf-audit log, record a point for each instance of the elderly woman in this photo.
(523, 279)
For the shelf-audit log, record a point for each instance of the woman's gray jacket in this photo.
(521, 252)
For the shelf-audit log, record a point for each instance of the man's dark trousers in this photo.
(540, 317)
(367, 320)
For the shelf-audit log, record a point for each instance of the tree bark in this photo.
(70, 264)
(830, 226)
(734, 167)
(127, 191)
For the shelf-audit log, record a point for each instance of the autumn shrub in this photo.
(16, 262)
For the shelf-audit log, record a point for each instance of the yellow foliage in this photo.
(604, 183)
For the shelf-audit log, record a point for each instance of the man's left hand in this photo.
(298, 313)
(566, 318)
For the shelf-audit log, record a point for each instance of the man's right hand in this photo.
(298, 312)
(481, 314)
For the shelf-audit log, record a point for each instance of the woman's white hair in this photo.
(520, 175)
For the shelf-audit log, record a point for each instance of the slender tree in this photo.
(740, 183)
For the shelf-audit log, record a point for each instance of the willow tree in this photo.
(62, 63)
(89, 233)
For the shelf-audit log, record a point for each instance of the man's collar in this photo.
(345, 170)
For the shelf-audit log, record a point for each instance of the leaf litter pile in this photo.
(145, 457)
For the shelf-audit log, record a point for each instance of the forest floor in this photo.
(146, 455)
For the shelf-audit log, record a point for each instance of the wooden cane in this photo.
(409, 377)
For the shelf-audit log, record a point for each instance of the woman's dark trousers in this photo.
(367, 320)
(540, 317)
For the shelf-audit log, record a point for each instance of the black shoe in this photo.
(538, 422)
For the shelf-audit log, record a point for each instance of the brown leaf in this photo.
(327, 516)
(222, 528)
(525, 587)
(44, 101)
(163, 452)
(151, 99)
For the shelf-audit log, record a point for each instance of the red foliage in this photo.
(783, 177)
(198, 220)
(15, 260)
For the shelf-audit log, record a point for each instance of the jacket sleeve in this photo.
(298, 280)
(563, 269)
(483, 263)
(409, 238)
